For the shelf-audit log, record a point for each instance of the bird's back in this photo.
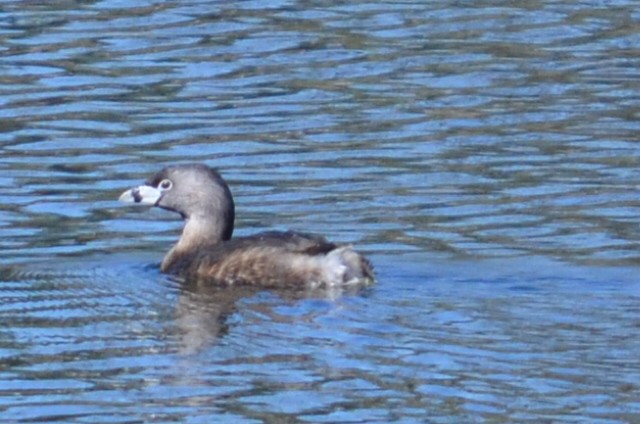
(273, 259)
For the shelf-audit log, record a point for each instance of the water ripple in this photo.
(420, 132)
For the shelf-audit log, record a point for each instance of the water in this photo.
(484, 156)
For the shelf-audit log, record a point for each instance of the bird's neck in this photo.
(197, 234)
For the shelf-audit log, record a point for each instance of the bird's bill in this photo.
(144, 195)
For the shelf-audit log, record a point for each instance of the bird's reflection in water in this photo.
(203, 310)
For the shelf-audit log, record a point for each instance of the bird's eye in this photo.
(165, 185)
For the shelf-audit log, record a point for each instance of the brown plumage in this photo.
(206, 250)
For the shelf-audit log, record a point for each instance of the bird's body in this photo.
(206, 250)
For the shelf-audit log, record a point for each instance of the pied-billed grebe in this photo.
(206, 251)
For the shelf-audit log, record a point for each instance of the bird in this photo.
(207, 252)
